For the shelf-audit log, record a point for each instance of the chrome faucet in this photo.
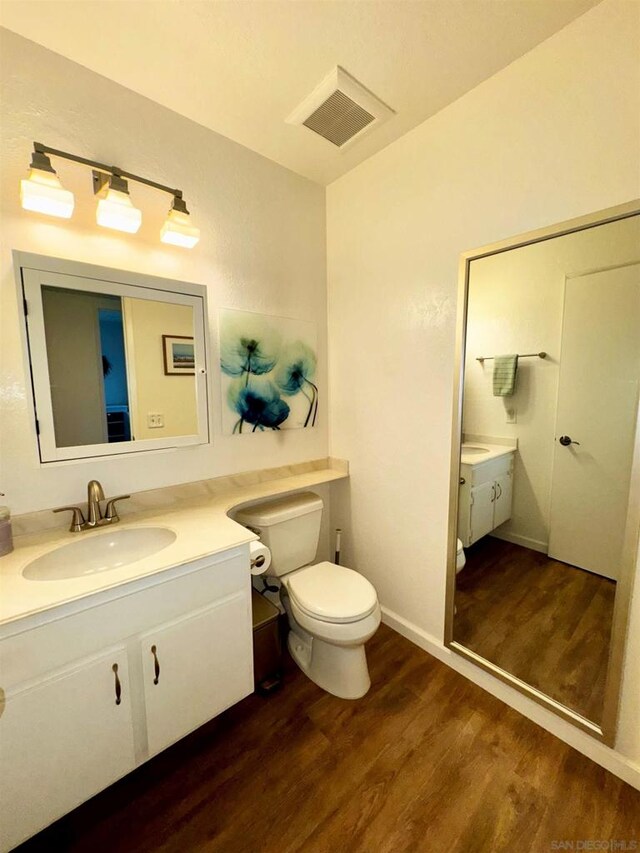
(95, 518)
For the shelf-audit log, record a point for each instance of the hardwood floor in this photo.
(544, 621)
(427, 761)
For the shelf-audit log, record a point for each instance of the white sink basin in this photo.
(99, 553)
(472, 450)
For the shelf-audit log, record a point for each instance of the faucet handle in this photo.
(110, 513)
(77, 522)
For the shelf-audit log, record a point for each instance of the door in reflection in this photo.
(596, 419)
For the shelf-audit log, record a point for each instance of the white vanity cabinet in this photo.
(84, 699)
(485, 497)
(50, 728)
(192, 670)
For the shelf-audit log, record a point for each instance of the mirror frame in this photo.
(29, 271)
(606, 731)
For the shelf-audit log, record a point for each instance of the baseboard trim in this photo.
(525, 541)
(603, 755)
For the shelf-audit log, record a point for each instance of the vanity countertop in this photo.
(493, 452)
(202, 528)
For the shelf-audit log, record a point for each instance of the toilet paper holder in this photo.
(259, 558)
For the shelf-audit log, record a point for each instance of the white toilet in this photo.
(460, 557)
(332, 610)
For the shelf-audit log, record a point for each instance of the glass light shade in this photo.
(42, 192)
(178, 230)
(116, 210)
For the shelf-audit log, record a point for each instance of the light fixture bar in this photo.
(39, 148)
(115, 208)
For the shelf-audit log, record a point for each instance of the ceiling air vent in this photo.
(340, 109)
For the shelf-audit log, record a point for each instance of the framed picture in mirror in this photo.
(179, 355)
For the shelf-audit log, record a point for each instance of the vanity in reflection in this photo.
(486, 489)
(546, 468)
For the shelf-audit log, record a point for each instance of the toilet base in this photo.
(340, 670)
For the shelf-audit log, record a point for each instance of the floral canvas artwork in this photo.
(268, 369)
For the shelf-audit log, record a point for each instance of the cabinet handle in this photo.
(493, 493)
(156, 665)
(498, 486)
(118, 685)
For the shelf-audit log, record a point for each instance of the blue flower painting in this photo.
(268, 367)
(258, 405)
(294, 375)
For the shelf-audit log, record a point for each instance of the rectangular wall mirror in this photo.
(118, 360)
(546, 463)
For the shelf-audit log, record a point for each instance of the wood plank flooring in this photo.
(543, 621)
(427, 761)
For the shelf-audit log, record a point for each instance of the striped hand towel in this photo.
(504, 375)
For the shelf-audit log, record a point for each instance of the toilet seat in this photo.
(331, 593)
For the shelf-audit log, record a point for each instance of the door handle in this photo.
(498, 486)
(118, 685)
(566, 440)
(156, 664)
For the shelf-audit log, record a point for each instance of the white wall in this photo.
(262, 249)
(516, 302)
(553, 136)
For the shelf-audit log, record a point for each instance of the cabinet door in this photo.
(63, 739)
(481, 514)
(195, 667)
(502, 504)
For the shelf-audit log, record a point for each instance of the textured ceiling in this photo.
(240, 67)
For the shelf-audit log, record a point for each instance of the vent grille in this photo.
(338, 119)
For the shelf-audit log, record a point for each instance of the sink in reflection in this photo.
(99, 553)
(472, 450)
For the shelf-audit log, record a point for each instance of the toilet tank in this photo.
(289, 527)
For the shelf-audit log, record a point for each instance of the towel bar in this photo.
(524, 355)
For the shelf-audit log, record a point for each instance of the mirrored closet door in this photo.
(546, 464)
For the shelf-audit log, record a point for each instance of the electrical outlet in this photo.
(512, 415)
(155, 420)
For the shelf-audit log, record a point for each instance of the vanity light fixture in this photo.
(115, 208)
(177, 228)
(42, 192)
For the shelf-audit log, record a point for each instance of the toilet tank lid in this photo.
(274, 512)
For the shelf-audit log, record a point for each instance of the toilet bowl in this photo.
(460, 557)
(332, 613)
(332, 610)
